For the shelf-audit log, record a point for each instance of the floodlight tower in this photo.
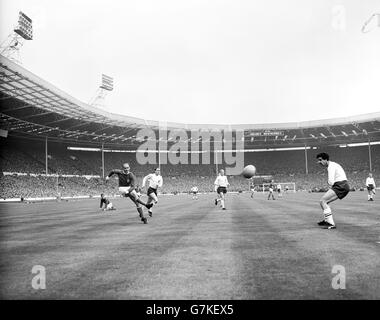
(10, 48)
(101, 93)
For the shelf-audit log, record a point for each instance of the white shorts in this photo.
(109, 206)
(270, 190)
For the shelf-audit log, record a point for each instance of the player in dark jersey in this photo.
(127, 185)
(106, 202)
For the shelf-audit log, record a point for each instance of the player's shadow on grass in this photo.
(364, 234)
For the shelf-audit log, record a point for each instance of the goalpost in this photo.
(285, 186)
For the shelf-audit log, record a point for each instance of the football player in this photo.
(127, 184)
(154, 181)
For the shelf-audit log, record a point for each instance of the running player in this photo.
(339, 188)
(194, 191)
(154, 182)
(370, 184)
(271, 189)
(106, 202)
(221, 184)
(253, 189)
(127, 183)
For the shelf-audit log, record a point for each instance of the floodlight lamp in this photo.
(24, 28)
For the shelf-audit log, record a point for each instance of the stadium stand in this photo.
(19, 156)
(35, 114)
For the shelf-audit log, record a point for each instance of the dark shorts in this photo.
(151, 190)
(221, 190)
(370, 187)
(341, 189)
(194, 192)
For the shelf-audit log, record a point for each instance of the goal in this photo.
(285, 186)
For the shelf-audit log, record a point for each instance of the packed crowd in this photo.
(283, 166)
(13, 186)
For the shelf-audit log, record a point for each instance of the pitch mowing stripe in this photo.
(345, 211)
(361, 261)
(201, 264)
(352, 223)
(72, 221)
(111, 259)
(108, 269)
(154, 245)
(365, 227)
(271, 265)
(353, 205)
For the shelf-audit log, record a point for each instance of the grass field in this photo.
(190, 249)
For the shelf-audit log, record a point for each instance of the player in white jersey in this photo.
(339, 188)
(154, 181)
(371, 186)
(279, 190)
(253, 189)
(221, 184)
(194, 191)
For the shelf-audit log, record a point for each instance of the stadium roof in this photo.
(30, 106)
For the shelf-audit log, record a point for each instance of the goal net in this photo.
(285, 186)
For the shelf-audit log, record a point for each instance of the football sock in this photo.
(328, 215)
(222, 203)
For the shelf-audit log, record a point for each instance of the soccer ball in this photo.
(249, 171)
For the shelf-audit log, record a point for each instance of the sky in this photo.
(216, 61)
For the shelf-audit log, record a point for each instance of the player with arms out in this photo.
(339, 188)
(371, 186)
(127, 184)
(194, 191)
(221, 184)
(154, 181)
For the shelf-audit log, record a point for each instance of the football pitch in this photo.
(191, 249)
